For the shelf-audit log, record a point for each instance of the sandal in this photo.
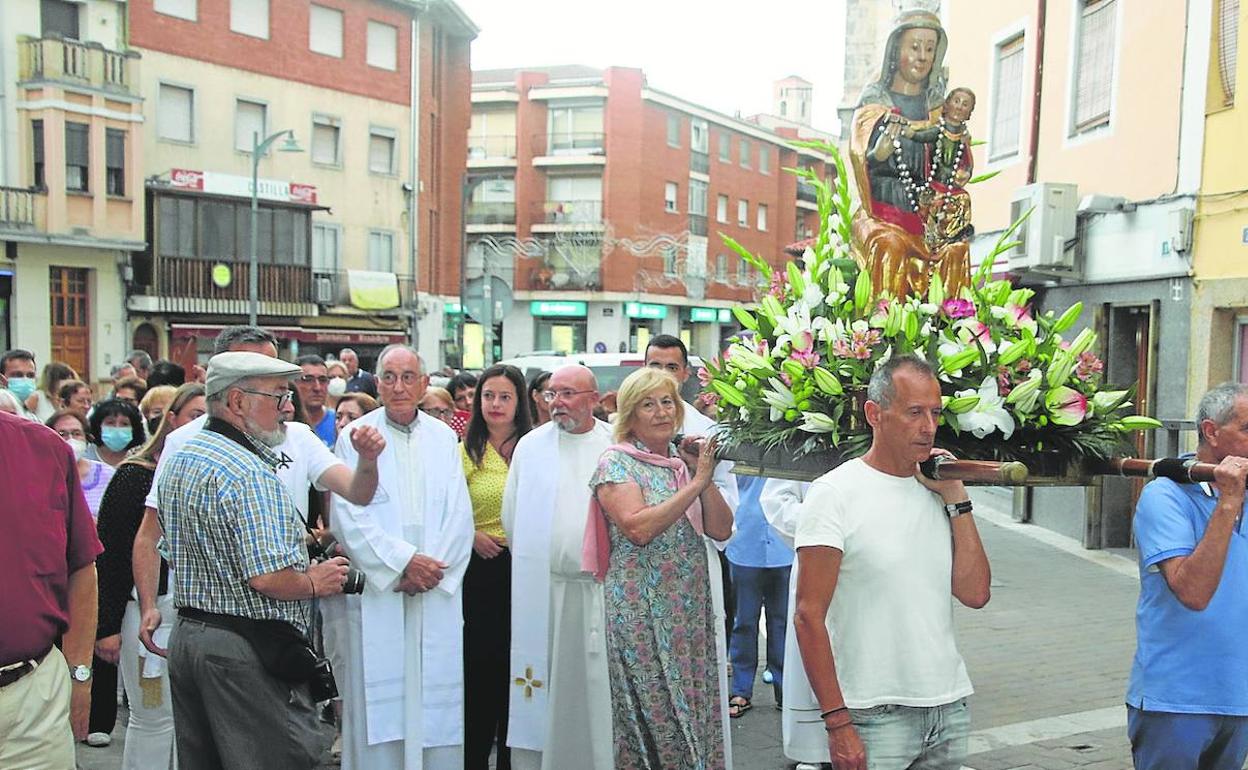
(738, 705)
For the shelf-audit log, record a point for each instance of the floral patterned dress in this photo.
(661, 654)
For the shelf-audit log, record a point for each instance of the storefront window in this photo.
(562, 335)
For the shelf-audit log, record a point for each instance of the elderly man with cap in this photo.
(242, 582)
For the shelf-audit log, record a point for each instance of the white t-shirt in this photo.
(891, 617)
(302, 459)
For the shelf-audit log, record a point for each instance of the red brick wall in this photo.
(285, 54)
(446, 110)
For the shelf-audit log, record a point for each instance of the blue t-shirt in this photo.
(755, 543)
(327, 429)
(1187, 661)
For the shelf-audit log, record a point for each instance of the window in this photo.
(175, 114)
(1007, 100)
(381, 251)
(699, 136)
(326, 140)
(669, 260)
(250, 121)
(250, 17)
(743, 272)
(383, 46)
(673, 130)
(381, 158)
(721, 268)
(725, 148)
(743, 213)
(721, 208)
(182, 9)
(697, 197)
(114, 161)
(325, 31)
(326, 246)
(1228, 48)
(745, 153)
(762, 217)
(58, 17)
(575, 129)
(764, 159)
(77, 156)
(1094, 67)
(670, 192)
(39, 182)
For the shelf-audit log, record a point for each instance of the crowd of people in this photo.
(489, 573)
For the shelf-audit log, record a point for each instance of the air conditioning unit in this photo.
(1043, 237)
(324, 289)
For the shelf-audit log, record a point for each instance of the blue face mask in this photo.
(21, 387)
(116, 438)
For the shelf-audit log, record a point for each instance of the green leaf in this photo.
(795, 280)
(827, 381)
(728, 392)
(763, 268)
(1068, 318)
(745, 318)
(983, 177)
(862, 292)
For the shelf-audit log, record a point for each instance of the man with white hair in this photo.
(398, 646)
(560, 703)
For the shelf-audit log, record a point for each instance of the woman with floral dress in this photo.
(646, 541)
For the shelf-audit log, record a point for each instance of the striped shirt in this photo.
(228, 518)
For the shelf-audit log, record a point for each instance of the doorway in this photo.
(71, 334)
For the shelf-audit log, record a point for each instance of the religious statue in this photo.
(910, 150)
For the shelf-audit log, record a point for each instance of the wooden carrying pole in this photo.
(975, 471)
(1184, 471)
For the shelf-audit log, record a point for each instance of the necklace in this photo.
(915, 190)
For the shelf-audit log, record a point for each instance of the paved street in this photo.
(1049, 658)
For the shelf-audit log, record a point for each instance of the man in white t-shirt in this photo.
(882, 551)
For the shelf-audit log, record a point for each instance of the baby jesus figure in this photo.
(944, 204)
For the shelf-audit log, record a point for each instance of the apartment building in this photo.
(597, 203)
(1093, 112)
(71, 180)
(357, 233)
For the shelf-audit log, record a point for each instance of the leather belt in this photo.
(15, 671)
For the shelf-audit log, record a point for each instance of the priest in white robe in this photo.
(397, 648)
(560, 701)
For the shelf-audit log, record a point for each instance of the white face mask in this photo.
(337, 387)
(78, 445)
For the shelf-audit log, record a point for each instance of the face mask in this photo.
(152, 425)
(78, 445)
(337, 386)
(116, 438)
(22, 387)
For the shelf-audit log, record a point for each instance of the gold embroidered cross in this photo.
(528, 682)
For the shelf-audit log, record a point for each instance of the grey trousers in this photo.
(231, 714)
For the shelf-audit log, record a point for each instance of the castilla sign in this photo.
(216, 183)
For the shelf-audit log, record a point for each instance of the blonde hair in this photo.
(636, 387)
(149, 453)
(160, 396)
(433, 391)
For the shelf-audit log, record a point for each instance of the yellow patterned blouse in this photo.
(485, 488)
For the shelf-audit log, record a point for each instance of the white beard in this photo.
(269, 438)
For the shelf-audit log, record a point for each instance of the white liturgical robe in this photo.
(560, 701)
(398, 659)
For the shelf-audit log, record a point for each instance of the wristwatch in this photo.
(954, 510)
(80, 673)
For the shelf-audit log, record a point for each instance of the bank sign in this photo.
(215, 183)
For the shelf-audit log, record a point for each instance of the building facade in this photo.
(1092, 112)
(597, 203)
(346, 223)
(71, 180)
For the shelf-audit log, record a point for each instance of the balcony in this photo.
(551, 216)
(187, 286)
(17, 208)
(83, 64)
(332, 289)
(553, 275)
(491, 151)
(490, 214)
(699, 162)
(697, 224)
(570, 148)
(807, 194)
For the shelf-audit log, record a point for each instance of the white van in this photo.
(609, 368)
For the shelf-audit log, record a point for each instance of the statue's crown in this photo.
(910, 8)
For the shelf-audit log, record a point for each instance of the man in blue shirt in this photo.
(760, 562)
(313, 387)
(1187, 699)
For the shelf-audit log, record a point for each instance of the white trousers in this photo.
(149, 734)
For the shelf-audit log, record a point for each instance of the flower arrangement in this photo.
(1014, 386)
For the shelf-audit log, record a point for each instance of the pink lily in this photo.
(1066, 406)
(804, 350)
(958, 308)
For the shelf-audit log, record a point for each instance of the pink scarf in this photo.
(596, 550)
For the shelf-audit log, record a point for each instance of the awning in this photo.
(343, 336)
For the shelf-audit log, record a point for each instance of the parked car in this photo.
(609, 368)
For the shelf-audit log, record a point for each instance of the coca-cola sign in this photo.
(187, 179)
(240, 186)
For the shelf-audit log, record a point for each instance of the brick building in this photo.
(599, 202)
(347, 222)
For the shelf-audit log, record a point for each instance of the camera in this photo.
(321, 684)
(326, 547)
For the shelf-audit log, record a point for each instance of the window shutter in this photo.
(1228, 48)
(325, 144)
(174, 115)
(1007, 100)
(380, 154)
(1096, 64)
(248, 120)
(325, 31)
(382, 46)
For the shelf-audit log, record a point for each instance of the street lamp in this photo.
(258, 148)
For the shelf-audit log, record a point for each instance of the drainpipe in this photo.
(413, 179)
(1033, 149)
(6, 171)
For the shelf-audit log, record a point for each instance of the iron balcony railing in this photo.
(492, 147)
(490, 213)
(333, 288)
(570, 143)
(568, 213)
(806, 192)
(699, 162)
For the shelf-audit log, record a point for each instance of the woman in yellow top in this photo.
(499, 419)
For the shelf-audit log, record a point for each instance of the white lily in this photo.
(792, 325)
(817, 422)
(779, 398)
(988, 415)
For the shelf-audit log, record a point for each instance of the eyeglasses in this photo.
(407, 378)
(79, 434)
(440, 413)
(282, 398)
(550, 395)
(309, 379)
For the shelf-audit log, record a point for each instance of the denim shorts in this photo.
(914, 737)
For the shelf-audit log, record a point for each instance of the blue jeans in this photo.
(758, 587)
(1167, 741)
(914, 738)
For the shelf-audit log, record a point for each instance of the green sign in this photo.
(221, 275)
(452, 308)
(702, 315)
(644, 310)
(725, 315)
(558, 309)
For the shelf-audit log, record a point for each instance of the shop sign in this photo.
(645, 310)
(703, 315)
(566, 309)
(216, 183)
